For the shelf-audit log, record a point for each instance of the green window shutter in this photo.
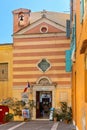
(72, 33)
(75, 32)
(68, 28)
(68, 61)
(71, 10)
(81, 10)
(73, 40)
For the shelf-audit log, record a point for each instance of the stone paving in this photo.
(37, 125)
(64, 126)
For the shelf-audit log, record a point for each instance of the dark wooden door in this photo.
(37, 104)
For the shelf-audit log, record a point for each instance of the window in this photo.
(44, 65)
(44, 29)
(68, 61)
(81, 10)
(3, 71)
(68, 28)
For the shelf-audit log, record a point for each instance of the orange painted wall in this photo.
(78, 81)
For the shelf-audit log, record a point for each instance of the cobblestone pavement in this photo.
(64, 126)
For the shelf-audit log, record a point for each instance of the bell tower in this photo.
(21, 18)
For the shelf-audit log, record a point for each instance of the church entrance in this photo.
(43, 104)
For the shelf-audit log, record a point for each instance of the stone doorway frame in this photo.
(43, 84)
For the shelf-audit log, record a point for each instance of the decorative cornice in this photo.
(39, 35)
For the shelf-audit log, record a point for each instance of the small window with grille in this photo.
(44, 65)
(3, 71)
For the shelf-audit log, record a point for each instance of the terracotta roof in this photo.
(59, 18)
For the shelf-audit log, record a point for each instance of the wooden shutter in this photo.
(71, 10)
(68, 61)
(81, 10)
(68, 28)
(74, 32)
(3, 71)
(73, 40)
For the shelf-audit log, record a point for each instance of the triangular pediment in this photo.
(39, 25)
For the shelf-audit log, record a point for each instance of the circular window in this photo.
(44, 29)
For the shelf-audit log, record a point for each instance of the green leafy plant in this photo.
(64, 112)
(8, 117)
(68, 115)
(18, 105)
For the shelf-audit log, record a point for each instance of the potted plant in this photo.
(68, 116)
(8, 117)
(55, 115)
(63, 113)
(66, 112)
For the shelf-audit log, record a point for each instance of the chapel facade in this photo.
(38, 56)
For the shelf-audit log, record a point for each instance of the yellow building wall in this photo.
(78, 74)
(63, 94)
(74, 92)
(80, 97)
(6, 57)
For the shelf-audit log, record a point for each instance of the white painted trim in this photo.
(39, 35)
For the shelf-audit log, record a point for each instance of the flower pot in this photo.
(55, 119)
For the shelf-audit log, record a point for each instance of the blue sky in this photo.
(7, 6)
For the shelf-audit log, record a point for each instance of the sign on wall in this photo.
(25, 113)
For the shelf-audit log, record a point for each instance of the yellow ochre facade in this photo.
(79, 64)
(6, 58)
(38, 56)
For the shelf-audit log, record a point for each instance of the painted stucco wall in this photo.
(6, 57)
(78, 73)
